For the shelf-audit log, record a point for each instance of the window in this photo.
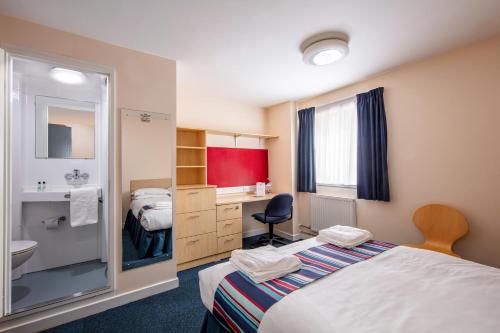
(335, 140)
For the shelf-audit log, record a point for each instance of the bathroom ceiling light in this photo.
(67, 76)
(325, 52)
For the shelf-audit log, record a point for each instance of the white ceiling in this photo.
(249, 50)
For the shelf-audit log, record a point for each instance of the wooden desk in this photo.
(218, 233)
(234, 198)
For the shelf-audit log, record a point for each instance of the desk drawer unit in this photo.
(229, 243)
(195, 199)
(229, 227)
(195, 223)
(229, 212)
(196, 247)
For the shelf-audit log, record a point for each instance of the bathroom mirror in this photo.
(65, 128)
(147, 212)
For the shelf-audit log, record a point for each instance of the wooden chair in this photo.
(441, 226)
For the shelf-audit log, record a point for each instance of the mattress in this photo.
(153, 219)
(402, 289)
(149, 244)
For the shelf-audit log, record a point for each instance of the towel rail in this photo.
(68, 196)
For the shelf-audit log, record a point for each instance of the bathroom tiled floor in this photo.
(39, 287)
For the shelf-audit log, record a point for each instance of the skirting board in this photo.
(256, 232)
(42, 321)
(284, 234)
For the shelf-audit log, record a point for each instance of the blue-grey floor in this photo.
(40, 287)
(176, 311)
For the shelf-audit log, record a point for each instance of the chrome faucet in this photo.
(76, 178)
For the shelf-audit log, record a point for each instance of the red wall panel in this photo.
(227, 167)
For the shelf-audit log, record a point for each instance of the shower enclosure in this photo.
(57, 145)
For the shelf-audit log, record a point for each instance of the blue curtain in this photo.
(373, 178)
(306, 170)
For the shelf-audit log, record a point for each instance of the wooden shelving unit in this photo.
(191, 157)
(192, 153)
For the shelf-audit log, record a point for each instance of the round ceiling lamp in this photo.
(67, 76)
(325, 52)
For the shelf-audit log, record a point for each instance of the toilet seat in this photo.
(17, 247)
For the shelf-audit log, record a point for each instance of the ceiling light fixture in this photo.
(67, 76)
(325, 52)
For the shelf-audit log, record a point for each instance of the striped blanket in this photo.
(240, 304)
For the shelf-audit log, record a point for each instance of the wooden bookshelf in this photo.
(191, 157)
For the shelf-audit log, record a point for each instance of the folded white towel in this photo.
(83, 206)
(344, 236)
(264, 263)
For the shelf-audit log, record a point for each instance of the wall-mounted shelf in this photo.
(191, 147)
(236, 134)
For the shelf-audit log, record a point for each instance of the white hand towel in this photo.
(83, 206)
(344, 236)
(265, 263)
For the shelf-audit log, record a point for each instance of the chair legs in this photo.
(271, 239)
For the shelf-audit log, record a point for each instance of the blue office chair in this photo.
(278, 210)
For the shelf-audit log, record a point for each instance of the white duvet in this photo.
(401, 290)
(154, 219)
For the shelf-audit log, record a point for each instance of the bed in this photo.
(400, 290)
(149, 241)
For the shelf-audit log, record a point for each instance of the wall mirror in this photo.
(147, 158)
(65, 128)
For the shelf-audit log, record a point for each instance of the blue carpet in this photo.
(177, 311)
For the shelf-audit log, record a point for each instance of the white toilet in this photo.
(21, 251)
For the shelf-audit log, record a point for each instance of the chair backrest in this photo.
(441, 225)
(280, 205)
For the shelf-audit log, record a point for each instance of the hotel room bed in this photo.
(400, 290)
(149, 238)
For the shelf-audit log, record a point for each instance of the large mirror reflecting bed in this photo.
(147, 160)
(147, 231)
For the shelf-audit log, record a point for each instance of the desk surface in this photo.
(224, 199)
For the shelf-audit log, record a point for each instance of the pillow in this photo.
(150, 192)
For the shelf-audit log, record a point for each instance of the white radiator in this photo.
(327, 211)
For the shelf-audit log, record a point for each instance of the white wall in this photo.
(443, 133)
(280, 120)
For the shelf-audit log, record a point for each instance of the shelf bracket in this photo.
(235, 140)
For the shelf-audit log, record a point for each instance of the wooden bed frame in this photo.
(136, 184)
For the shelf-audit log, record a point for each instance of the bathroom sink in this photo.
(50, 194)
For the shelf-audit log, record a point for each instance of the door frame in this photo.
(109, 192)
